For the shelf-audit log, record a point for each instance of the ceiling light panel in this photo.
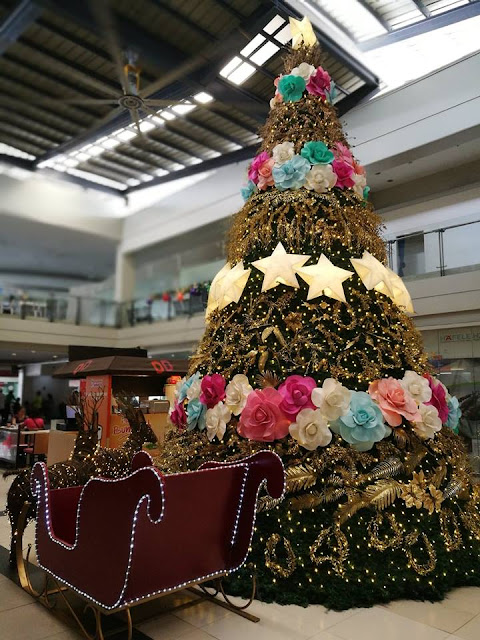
(252, 45)
(242, 73)
(274, 25)
(203, 97)
(268, 50)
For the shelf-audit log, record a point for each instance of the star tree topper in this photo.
(227, 286)
(325, 278)
(302, 33)
(280, 268)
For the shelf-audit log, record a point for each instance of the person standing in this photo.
(9, 402)
(2, 405)
(37, 403)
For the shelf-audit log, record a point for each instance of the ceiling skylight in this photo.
(357, 19)
(7, 150)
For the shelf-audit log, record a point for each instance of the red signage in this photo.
(161, 366)
(82, 366)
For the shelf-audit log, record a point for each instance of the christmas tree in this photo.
(309, 350)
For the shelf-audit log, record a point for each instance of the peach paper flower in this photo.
(394, 401)
(265, 178)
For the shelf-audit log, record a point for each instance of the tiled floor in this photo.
(456, 618)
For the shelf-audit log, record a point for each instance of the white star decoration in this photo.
(227, 286)
(302, 33)
(325, 278)
(280, 268)
(401, 297)
(375, 275)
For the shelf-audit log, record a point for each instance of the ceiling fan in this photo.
(131, 97)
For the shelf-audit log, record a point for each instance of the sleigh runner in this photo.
(117, 543)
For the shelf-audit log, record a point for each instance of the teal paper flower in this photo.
(248, 190)
(291, 175)
(187, 383)
(366, 191)
(454, 414)
(331, 94)
(317, 153)
(196, 415)
(291, 88)
(363, 425)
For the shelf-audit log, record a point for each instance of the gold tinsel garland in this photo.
(271, 560)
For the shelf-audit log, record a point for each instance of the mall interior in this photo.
(240, 319)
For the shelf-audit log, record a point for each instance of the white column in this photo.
(124, 276)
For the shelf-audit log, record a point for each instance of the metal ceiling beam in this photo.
(378, 16)
(421, 7)
(19, 19)
(424, 26)
(228, 158)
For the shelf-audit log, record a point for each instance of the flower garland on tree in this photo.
(309, 414)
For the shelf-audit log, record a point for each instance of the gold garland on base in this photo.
(422, 569)
(453, 539)
(337, 542)
(388, 542)
(271, 560)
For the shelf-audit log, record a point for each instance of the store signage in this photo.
(82, 366)
(467, 335)
(161, 366)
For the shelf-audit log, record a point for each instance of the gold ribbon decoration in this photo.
(453, 538)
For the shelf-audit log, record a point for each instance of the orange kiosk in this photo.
(133, 375)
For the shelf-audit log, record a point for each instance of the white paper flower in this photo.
(430, 424)
(360, 184)
(332, 398)
(417, 386)
(236, 393)
(216, 420)
(311, 429)
(283, 152)
(304, 70)
(273, 102)
(320, 178)
(194, 390)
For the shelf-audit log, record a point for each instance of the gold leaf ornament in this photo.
(383, 493)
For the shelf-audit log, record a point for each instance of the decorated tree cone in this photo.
(309, 351)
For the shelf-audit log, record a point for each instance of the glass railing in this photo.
(441, 252)
(101, 313)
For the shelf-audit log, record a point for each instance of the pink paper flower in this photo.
(358, 168)
(394, 401)
(344, 173)
(178, 416)
(342, 152)
(319, 83)
(262, 419)
(265, 178)
(296, 392)
(439, 398)
(277, 80)
(212, 390)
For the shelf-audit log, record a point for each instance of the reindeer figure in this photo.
(87, 460)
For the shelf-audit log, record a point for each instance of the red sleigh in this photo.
(120, 542)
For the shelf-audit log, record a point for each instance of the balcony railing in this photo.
(440, 252)
(101, 313)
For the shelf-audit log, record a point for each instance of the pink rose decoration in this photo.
(257, 162)
(394, 401)
(262, 419)
(344, 172)
(319, 82)
(439, 398)
(178, 416)
(265, 178)
(342, 152)
(277, 80)
(296, 392)
(212, 390)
